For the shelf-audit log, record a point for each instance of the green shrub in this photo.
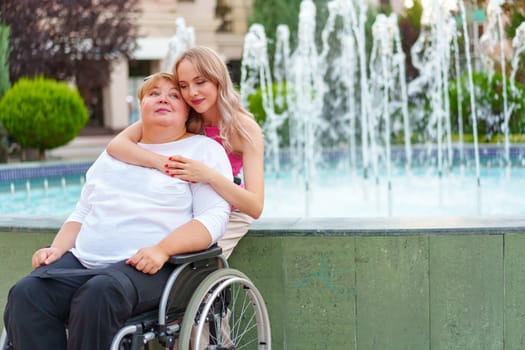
(255, 103)
(42, 113)
(489, 105)
(255, 106)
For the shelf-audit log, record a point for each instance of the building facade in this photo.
(220, 24)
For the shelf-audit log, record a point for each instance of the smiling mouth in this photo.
(162, 110)
(197, 102)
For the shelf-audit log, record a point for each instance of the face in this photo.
(163, 105)
(199, 92)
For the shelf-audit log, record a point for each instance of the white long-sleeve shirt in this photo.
(124, 207)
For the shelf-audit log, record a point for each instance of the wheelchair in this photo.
(205, 305)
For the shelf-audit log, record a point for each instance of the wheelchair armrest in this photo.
(211, 252)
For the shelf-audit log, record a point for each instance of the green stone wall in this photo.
(16, 249)
(391, 292)
(369, 292)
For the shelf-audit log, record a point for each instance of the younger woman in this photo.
(216, 111)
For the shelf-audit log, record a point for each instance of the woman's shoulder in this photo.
(249, 125)
(248, 136)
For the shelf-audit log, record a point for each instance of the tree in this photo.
(410, 28)
(68, 39)
(271, 13)
(4, 65)
(515, 12)
(4, 85)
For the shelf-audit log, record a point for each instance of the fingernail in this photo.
(167, 171)
(172, 175)
(170, 158)
(166, 165)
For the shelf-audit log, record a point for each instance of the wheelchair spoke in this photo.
(245, 321)
(234, 310)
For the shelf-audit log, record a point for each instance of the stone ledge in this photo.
(323, 226)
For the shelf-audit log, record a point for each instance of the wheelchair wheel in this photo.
(226, 312)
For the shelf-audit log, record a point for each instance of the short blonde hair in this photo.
(151, 80)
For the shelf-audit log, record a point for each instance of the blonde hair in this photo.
(208, 63)
(151, 80)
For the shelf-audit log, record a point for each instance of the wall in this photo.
(156, 26)
(370, 288)
(404, 292)
(392, 284)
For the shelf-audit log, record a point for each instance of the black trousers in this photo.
(93, 308)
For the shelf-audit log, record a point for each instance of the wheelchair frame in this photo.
(201, 294)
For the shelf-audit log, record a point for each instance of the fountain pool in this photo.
(418, 194)
(406, 153)
(336, 193)
(338, 95)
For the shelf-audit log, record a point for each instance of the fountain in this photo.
(387, 65)
(361, 143)
(337, 93)
(255, 70)
(353, 156)
(183, 39)
(492, 39)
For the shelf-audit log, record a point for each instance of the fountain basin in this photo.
(364, 283)
(356, 283)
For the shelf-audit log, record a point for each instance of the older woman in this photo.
(127, 223)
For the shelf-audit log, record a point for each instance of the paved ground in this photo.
(81, 148)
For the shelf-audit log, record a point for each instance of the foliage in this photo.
(69, 40)
(4, 85)
(513, 138)
(489, 105)
(409, 28)
(271, 13)
(255, 106)
(516, 13)
(42, 113)
(3, 144)
(4, 65)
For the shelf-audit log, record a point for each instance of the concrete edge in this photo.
(323, 226)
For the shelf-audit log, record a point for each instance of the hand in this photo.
(188, 169)
(161, 163)
(148, 260)
(46, 256)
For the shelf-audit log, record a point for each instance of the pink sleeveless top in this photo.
(236, 161)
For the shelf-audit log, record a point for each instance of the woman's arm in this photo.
(190, 237)
(124, 147)
(64, 240)
(250, 199)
